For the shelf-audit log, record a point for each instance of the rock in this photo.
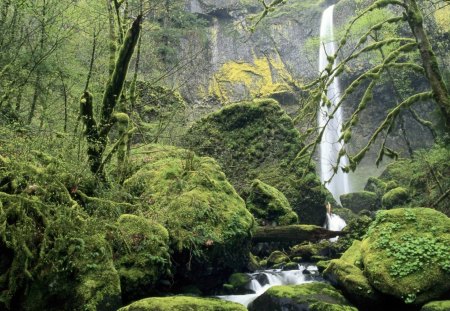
(277, 257)
(257, 140)
(407, 254)
(346, 273)
(237, 284)
(141, 252)
(183, 303)
(345, 213)
(375, 185)
(199, 208)
(358, 201)
(314, 296)
(396, 197)
(270, 206)
(291, 266)
(443, 305)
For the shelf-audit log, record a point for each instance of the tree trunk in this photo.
(429, 60)
(294, 233)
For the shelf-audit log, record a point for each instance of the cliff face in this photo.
(276, 59)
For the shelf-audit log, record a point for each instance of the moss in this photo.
(406, 254)
(239, 280)
(353, 254)
(260, 78)
(183, 303)
(257, 140)
(315, 296)
(352, 281)
(277, 257)
(443, 305)
(396, 197)
(142, 255)
(375, 185)
(207, 221)
(358, 201)
(269, 205)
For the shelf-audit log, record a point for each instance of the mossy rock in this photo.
(277, 258)
(406, 254)
(358, 201)
(258, 140)
(237, 284)
(345, 213)
(375, 185)
(396, 197)
(443, 305)
(269, 205)
(314, 296)
(183, 303)
(208, 223)
(141, 249)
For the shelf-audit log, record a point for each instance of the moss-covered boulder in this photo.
(443, 305)
(270, 206)
(141, 249)
(358, 201)
(277, 258)
(375, 185)
(346, 273)
(257, 140)
(407, 254)
(209, 226)
(183, 303)
(395, 197)
(53, 255)
(237, 284)
(314, 296)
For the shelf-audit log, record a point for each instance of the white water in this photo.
(263, 280)
(334, 223)
(330, 146)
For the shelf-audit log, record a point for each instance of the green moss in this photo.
(239, 280)
(317, 296)
(269, 205)
(358, 201)
(375, 185)
(396, 197)
(207, 221)
(406, 254)
(277, 257)
(353, 254)
(183, 303)
(351, 279)
(443, 305)
(257, 140)
(141, 250)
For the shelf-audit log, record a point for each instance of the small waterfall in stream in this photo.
(263, 280)
(330, 146)
(334, 223)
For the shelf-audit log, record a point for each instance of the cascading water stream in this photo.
(263, 280)
(330, 145)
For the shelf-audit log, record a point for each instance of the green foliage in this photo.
(257, 140)
(182, 303)
(396, 197)
(399, 245)
(269, 205)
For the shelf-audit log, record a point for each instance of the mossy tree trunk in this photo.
(294, 233)
(97, 134)
(429, 60)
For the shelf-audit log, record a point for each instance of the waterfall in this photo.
(263, 280)
(329, 146)
(334, 223)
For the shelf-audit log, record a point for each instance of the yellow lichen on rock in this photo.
(264, 76)
(442, 17)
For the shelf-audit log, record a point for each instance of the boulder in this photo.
(258, 140)
(406, 254)
(141, 252)
(200, 209)
(183, 303)
(237, 284)
(395, 197)
(314, 296)
(358, 201)
(443, 305)
(269, 205)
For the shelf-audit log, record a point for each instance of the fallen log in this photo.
(293, 233)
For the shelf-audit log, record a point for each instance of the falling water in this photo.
(334, 223)
(263, 280)
(330, 146)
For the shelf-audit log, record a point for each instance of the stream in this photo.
(265, 279)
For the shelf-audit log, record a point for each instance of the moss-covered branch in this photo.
(294, 233)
